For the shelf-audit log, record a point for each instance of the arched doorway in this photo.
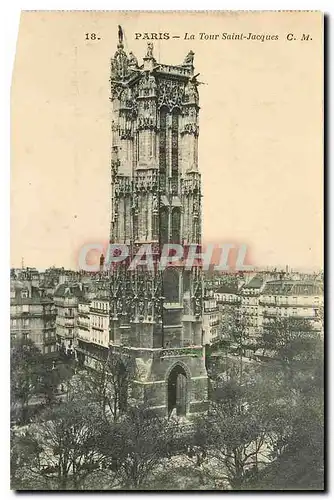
(177, 388)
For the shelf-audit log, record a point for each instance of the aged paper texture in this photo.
(167, 251)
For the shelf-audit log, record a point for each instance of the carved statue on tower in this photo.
(120, 35)
(196, 208)
(149, 53)
(155, 204)
(189, 59)
(119, 65)
(133, 61)
(191, 92)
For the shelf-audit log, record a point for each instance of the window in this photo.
(186, 281)
(164, 225)
(171, 285)
(176, 225)
(163, 148)
(175, 150)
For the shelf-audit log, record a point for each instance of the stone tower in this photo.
(155, 314)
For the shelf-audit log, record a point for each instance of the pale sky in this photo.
(260, 143)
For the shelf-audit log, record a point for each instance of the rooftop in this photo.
(227, 289)
(254, 283)
(69, 290)
(291, 287)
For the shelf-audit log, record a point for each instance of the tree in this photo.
(23, 452)
(293, 376)
(60, 452)
(298, 457)
(233, 343)
(50, 380)
(137, 444)
(234, 432)
(248, 427)
(234, 327)
(298, 463)
(288, 338)
(25, 367)
(107, 384)
(292, 342)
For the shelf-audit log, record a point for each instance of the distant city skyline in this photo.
(255, 269)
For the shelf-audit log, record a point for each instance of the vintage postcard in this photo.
(167, 299)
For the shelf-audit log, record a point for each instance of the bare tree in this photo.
(107, 384)
(233, 442)
(233, 329)
(292, 342)
(138, 444)
(60, 452)
(26, 364)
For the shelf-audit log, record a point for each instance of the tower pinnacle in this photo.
(120, 35)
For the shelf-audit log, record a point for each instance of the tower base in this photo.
(170, 381)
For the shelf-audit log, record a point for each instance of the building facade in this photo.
(249, 306)
(32, 316)
(66, 299)
(292, 298)
(211, 320)
(93, 330)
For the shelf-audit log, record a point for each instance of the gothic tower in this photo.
(156, 314)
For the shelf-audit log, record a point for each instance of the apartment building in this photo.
(93, 328)
(210, 320)
(32, 316)
(292, 298)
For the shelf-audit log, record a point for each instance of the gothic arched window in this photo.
(176, 225)
(175, 150)
(186, 281)
(163, 147)
(171, 280)
(164, 225)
